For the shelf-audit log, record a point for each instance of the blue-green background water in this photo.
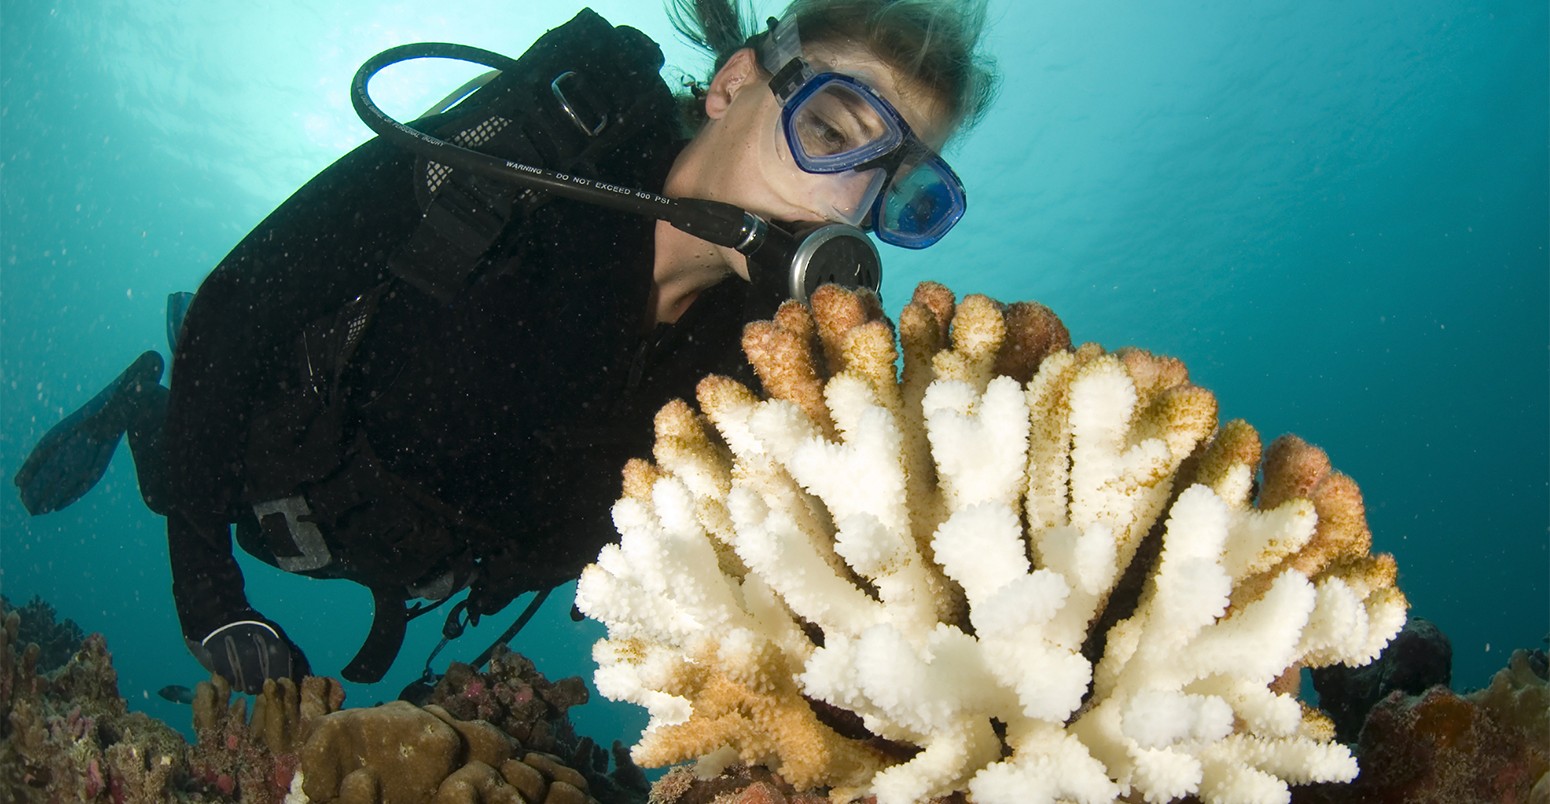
(1334, 212)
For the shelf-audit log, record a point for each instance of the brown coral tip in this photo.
(639, 476)
(717, 394)
(1341, 533)
(856, 337)
(782, 356)
(1342, 514)
(979, 328)
(1033, 333)
(1187, 415)
(1151, 373)
(836, 311)
(939, 301)
(1292, 468)
(1365, 573)
(1235, 444)
(922, 337)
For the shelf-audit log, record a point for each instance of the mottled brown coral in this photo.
(765, 717)
(398, 753)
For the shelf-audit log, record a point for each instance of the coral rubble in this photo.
(740, 784)
(1016, 570)
(513, 696)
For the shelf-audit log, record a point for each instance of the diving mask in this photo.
(835, 124)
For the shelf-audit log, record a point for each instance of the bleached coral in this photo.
(1043, 574)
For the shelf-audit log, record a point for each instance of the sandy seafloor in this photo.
(1334, 212)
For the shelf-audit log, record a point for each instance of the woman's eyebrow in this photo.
(862, 111)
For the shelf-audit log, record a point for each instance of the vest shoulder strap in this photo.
(579, 92)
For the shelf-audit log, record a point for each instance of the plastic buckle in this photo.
(311, 549)
(570, 109)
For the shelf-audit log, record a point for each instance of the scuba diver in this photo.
(424, 371)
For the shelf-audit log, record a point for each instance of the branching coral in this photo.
(1044, 574)
(57, 639)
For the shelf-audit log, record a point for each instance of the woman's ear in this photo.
(741, 70)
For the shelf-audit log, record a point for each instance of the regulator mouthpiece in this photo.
(794, 259)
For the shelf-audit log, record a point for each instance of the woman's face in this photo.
(745, 160)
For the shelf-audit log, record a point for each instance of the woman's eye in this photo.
(821, 137)
(832, 135)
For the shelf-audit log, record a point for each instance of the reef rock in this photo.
(1017, 571)
(1492, 745)
(1418, 658)
(253, 758)
(517, 699)
(65, 734)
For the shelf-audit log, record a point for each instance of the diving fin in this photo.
(72, 456)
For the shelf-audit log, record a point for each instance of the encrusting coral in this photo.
(1014, 570)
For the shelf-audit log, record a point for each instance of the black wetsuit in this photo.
(501, 418)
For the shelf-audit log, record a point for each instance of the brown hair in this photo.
(931, 44)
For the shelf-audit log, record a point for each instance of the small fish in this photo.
(176, 693)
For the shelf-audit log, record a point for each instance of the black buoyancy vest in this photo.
(324, 504)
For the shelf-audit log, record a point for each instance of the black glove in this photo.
(247, 652)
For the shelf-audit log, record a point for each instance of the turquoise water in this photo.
(1335, 213)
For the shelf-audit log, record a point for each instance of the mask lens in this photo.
(831, 127)
(852, 196)
(922, 201)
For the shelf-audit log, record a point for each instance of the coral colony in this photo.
(1020, 573)
(1016, 570)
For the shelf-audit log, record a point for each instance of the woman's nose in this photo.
(847, 197)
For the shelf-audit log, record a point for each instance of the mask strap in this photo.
(785, 43)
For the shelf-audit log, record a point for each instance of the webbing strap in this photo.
(458, 227)
(583, 89)
(389, 622)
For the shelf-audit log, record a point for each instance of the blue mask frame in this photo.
(920, 199)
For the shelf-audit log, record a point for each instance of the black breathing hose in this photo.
(722, 224)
